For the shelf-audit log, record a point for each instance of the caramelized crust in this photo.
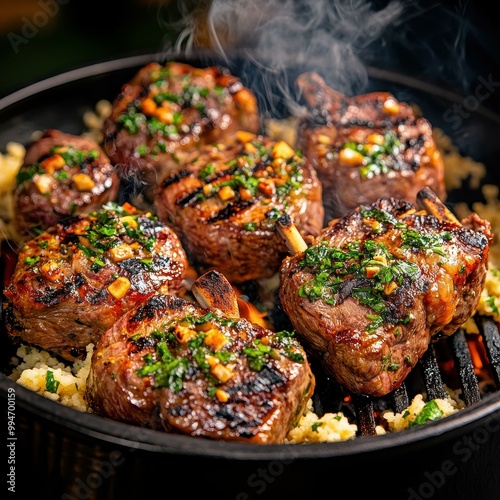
(379, 285)
(366, 147)
(174, 366)
(72, 283)
(225, 200)
(167, 111)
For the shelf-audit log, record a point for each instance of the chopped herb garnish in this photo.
(376, 158)
(51, 384)
(365, 270)
(430, 411)
(315, 426)
(31, 261)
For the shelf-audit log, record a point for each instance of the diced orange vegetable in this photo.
(391, 106)
(43, 183)
(165, 115)
(53, 163)
(243, 136)
(119, 288)
(121, 252)
(350, 158)
(129, 208)
(250, 148)
(148, 106)
(226, 193)
(221, 372)
(183, 333)
(267, 187)
(245, 100)
(222, 396)
(215, 339)
(83, 182)
(245, 194)
(51, 270)
(371, 271)
(207, 189)
(375, 139)
(283, 150)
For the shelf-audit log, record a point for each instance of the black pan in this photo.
(59, 452)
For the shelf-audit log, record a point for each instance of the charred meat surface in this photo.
(171, 364)
(224, 204)
(366, 147)
(70, 284)
(379, 285)
(168, 110)
(62, 175)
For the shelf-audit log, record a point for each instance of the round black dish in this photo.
(62, 453)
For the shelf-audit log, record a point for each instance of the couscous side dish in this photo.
(65, 383)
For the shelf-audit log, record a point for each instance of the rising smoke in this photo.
(336, 38)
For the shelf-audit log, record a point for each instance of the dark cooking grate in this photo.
(433, 377)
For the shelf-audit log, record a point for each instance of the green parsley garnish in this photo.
(376, 158)
(51, 384)
(430, 411)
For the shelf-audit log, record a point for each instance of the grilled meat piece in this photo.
(166, 111)
(366, 147)
(224, 204)
(62, 175)
(170, 364)
(379, 285)
(73, 282)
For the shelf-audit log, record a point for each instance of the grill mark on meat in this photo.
(472, 238)
(230, 210)
(189, 198)
(266, 380)
(134, 266)
(218, 175)
(54, 297)
(238, 420)
(98, 297)
(149, 226)
(148, 310)
(141, 343)
(345, 289)
(175, 177)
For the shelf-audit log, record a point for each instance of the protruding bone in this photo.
(290, 235)
(213, 291)
(428, 200)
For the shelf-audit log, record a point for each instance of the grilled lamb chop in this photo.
(224, 205)
(62, 175)
(171, 364)
(166, 111)
(73, 282)
(366, 147)
(380, 284)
